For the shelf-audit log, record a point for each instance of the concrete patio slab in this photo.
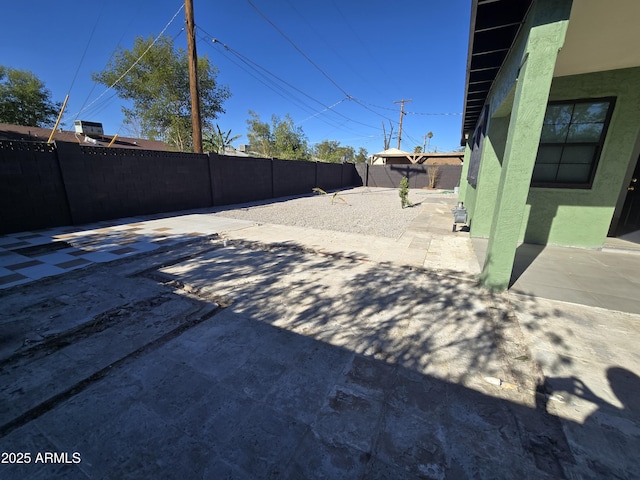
(280, 352)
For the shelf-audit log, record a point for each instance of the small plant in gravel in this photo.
(334, 197)
(404, 193)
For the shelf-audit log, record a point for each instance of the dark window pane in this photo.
(574, 173)
(585, 132)
(558, 114)
(548, 154)
(554, 133)
(590, 112)
(571, 138)
(544, 173)
(578, 154)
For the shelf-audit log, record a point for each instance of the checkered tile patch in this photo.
(29, 256)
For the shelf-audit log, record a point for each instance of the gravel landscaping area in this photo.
(364, 210)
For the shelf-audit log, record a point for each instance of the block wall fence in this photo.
(60, 184)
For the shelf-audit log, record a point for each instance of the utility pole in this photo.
(401, 102)
(196, 122)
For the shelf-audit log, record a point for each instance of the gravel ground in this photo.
(365, 210)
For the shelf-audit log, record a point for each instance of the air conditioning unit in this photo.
(88, 128)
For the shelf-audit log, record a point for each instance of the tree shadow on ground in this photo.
(438, 324)
(323, 365)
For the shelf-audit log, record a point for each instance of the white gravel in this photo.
(365, 210)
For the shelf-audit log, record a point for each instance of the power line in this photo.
(401, 102)
(134, 63)
(284, 35)
(363, 44)
(86, 48)
(434, 114)
(262, 71)
(326, 75)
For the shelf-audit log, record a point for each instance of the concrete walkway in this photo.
(236, 350)
(608, 278)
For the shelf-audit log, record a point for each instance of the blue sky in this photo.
(359, 58)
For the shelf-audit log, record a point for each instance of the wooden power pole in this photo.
(196, 122)
(401, 102)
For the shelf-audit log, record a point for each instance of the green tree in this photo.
(417, 149)
(362, 155)
(24, 100)
(218, 141)
(404, 193)
(155, 78)
(331, 151)
(280, 139)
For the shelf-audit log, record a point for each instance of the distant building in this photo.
(394, 156)
(85, 133)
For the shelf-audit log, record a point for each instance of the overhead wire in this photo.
(364, 45)
(99, 107)
(134, 63)
(86, 48)
(253, 66)
(335, 52)
(317, 67)
(325, 74)
(263, 72)
(299, 50)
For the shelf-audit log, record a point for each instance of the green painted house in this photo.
(551, 125)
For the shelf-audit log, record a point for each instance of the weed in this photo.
(334, 197)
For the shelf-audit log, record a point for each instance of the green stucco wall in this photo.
(545, 31)
(489, 176)
(464, 185)
(574, 217)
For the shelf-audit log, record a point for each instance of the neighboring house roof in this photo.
(445, 158)
(37, 134)
(391, 152)
(232, 152)
(494, 27)
(394, 155)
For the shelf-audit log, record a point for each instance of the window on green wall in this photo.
(571, 141)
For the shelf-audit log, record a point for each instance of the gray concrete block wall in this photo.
(389, 176)
(32, 195)
(350, 177)
(103, 184)
(45, 186)
(293, 177)
(240, 179)
(329, 176)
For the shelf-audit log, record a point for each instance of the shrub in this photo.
(404, 193)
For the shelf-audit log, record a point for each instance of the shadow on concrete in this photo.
(616, 428)
(526, 254)
(314, 366)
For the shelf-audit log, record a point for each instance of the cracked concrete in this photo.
(253, 355)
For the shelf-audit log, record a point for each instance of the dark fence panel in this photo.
(389, 176)
(449, 176)
(46, 185)
(293, 177)
(350, 177)
(329, 176)
(362, 172)
(32, 194)
(106, 183)
(240, 179)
